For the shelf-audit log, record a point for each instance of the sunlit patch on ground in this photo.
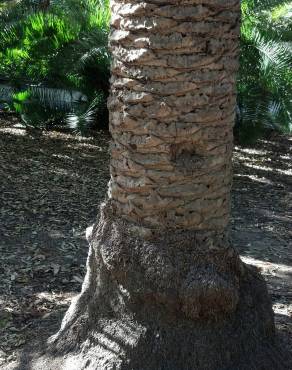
(262, 180)
(251, 151)
(13, 131)
(279, 277)
(262, 220)
(270, 169)
(268, 267)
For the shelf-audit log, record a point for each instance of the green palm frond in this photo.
(58, 99)
(265, 77)
(82, 120)
(60, 55)
(273, 53)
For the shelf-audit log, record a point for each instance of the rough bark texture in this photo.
(181, 300)
(164, 288)
(172, 110)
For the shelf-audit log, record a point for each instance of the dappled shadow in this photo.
(262, 200)
(109, 340)
(50, 189)
(284, 330)
(262, 220)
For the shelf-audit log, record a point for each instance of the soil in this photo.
(51, 186)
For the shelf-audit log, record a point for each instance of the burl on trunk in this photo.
(164, 287)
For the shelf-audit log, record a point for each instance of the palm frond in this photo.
(272, 52)
(82, 120)
(58, 99)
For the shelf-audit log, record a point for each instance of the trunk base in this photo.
(182, 301)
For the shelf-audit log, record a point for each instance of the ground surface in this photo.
(50, 188)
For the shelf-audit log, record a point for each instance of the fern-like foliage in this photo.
(54, 49)
(265, 78)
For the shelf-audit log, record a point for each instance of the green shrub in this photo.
(64, 47)
(265, 77)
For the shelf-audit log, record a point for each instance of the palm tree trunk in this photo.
(164, 288)
(172, 112)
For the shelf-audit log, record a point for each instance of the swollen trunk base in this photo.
(175, 301)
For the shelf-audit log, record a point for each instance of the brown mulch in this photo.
(50, 188)
(262, 219)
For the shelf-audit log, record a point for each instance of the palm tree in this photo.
(164, 287)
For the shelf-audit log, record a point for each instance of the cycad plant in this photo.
(59, 45)
(47, 46)
(265, 78)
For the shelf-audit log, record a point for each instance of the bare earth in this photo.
(50, 188)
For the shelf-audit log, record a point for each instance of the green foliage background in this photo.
(61, 47)
(265, 77)
(52, 47)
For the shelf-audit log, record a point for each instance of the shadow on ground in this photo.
(50, 189)
(262, 200)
